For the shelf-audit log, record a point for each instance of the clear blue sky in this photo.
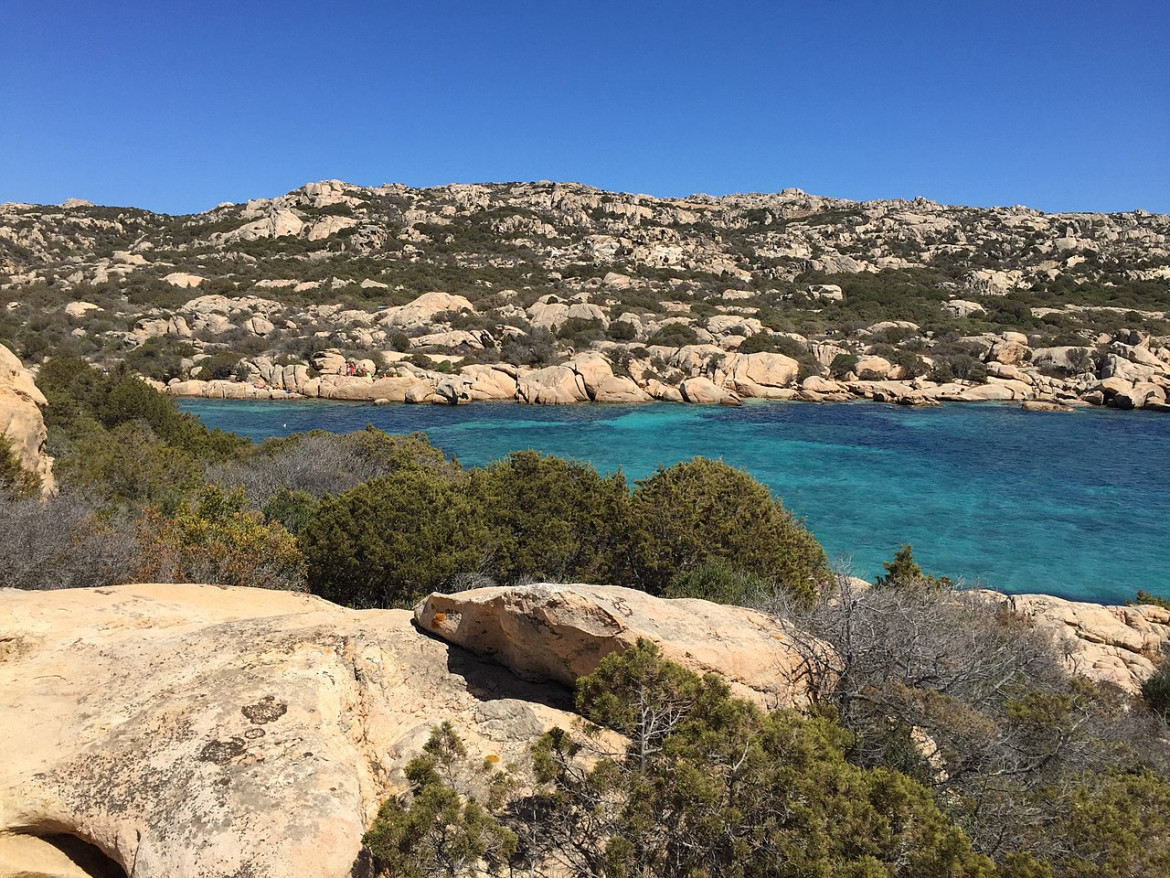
(176, 106)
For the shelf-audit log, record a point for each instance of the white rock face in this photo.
(192, 730)
(553, 385)
(77, 310)
(1105, 643)
(704, 391)
(422, 311)
(552, 315)
(962, 308)
(183, 280)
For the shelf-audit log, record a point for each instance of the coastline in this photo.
(573, 384)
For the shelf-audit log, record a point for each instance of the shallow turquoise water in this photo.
(1069, 504)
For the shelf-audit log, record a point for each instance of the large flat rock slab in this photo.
(189, 730)
(562, 632)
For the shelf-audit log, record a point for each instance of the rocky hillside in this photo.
(556, 293)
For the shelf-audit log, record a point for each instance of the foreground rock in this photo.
(198, 730)
(562, 632)
(195, 730)
(21, 419)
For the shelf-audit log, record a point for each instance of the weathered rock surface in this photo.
(704, 391)
(1105, 643)
(562, 632)
(191, 730)
(21, 419)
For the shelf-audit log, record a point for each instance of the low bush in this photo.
(704, 509)
(392, 540)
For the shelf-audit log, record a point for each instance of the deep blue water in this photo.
(1068, 504)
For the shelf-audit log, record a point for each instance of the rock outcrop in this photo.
(196, 730)
(21, 420)
(562, 632)
(1111, 644)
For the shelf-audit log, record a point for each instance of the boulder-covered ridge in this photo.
(556, 293)
(198, 730)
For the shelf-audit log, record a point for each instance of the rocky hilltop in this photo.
(560, 293)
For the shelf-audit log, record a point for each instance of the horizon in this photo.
(631, 193)
(1049, 105)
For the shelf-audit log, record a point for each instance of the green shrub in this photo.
(842, 365)
(159, 358)
(291, 509)
(217, 539)
(717, 581)
(552, 519)
(390, 541)
(16, 483)
(711, 785)
(1144, 597)
(1156, 689)
(674, 335)
(704, 509)
(130, 464)
(219, 366)
(622, 330)
(903, 572)
(439, 828)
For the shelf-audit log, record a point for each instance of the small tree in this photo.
(1156, 689)
(903, 572)
(440, 827)
(218, 539)
(390, 541)
(16, 483)
(552, 518)
(704, 509)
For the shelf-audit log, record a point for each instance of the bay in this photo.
(1071, 504)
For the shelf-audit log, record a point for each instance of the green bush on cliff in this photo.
(703, 509)
(218, 539)
(711, 785)
(16, 483)
(80, 398)
(440, 827)
(902, 571)
(130, 465)
(717, 581)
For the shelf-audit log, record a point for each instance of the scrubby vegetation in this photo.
(669, 775)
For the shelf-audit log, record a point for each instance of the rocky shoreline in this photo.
(706, 375)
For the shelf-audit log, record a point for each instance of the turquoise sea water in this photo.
(1069, 504)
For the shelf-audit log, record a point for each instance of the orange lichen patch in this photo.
(439, 618)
